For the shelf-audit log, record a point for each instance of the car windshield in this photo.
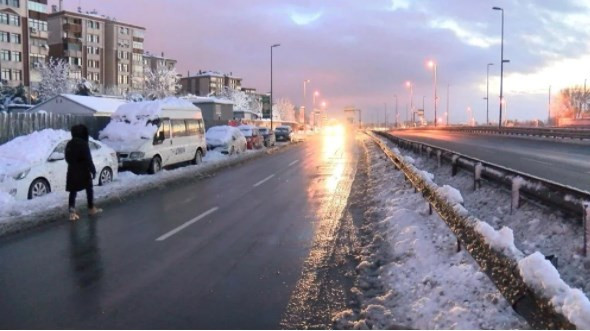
(282, 129)
(247, 132)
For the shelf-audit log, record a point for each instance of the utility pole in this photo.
(488, 94)
(271, 101)
(501, 67)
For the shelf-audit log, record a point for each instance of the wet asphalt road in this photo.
(225, 252)
(564, 163)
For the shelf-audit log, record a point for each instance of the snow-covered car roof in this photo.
(149, 110)
(220, 134)
(22, 152)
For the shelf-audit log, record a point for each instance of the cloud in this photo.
(468, 36)
(305, 18)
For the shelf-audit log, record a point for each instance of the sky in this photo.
(361, 53)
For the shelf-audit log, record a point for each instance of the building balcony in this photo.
(36, 33)
(73, 28)
(72, 53)
(72, 40)
(39, 50)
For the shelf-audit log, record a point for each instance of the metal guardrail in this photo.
(501, 268)
(563, 197)
(581, 134)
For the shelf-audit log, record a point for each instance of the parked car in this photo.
(283, 133)
(226, 139)
(34, 165)
(150, 135)
(268, 136)
(253, 136)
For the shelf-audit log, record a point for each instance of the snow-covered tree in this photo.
(160, 83)
(11, 95)
(242, 101)
(84, 87)
(54, 79)
(286, 109)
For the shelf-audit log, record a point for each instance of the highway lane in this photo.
(224, 252)
(562, 162)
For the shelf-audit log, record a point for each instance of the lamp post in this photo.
(488, 94)
(501, 67)
(304, 93)
(271, 100)
(433, 65)
(411, 86)
(315, 94)
(396, 113)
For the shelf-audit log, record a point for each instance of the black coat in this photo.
(81, 169)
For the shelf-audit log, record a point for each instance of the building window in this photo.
(14, 20)
(12, 3)
(125, 68)
(5, 74)
(17, 75)
(37, 59)
(37, 24)
(4, 55)
(123, 30)
(16, 56)
(92, 38)
(138, 45)
(4, 37)
(93, 24)
(138, 33)
(38, 7)
(76, 61)
(15, 38)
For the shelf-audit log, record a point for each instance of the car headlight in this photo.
(136, 155)
(22, 174)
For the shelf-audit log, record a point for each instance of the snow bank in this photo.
(542, 276)
(451, 194)
(501, 240)
(22, 152)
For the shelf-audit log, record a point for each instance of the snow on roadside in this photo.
(534, 227)
(12, 210)
(426, 283)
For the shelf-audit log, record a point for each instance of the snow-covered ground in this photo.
(535, 227)
(19, 214)
(425, 282)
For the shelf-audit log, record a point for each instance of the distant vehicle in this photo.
(269, 136)
(226, 139)
(150, 135)
(298, 136)
(283, 133)
(253, 136)
(34, 165)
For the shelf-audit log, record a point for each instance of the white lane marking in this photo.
(293, 163)
(194, 220)
(264, 180)
(537, 161)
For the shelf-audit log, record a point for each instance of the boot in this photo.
(73, 215)
(93, 211)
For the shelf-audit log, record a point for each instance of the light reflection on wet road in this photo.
(238, 249)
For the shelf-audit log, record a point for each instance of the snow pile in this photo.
(502, 240)
(451, 194)
(22, 152)
(131, 121)
(426, 176)
(219, 135)
(409, 159)
(542, 276)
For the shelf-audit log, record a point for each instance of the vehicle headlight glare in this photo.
(22, 174)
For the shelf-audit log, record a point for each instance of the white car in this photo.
(298, 136)
(34, 165)
(227, 139)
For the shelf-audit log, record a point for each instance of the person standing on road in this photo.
(81, 170)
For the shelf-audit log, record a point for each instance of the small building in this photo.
(71, 104)
(215, 111)
(246, 115)
(205, 83)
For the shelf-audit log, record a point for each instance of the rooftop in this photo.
(211, 73)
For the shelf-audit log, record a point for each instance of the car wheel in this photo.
(198, 157)
(39, 187)
(105, 177)
(155, 165)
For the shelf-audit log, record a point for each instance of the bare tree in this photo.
(242, 101)
(160, 83)
(55, 79)
(285, 109)
(572, 102)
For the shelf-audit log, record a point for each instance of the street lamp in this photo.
(396, 113)
(315, 94)
(411, 86)
(271, 101)
(432, 64)
(488, 94)
(501, 66)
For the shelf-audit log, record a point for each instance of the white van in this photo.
(150, 135)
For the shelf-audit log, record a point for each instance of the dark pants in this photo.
(89, 198)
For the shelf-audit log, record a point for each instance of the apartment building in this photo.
(124, 59)
(153, 61)
(23, 31)
(209, 82)
(99, 48)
